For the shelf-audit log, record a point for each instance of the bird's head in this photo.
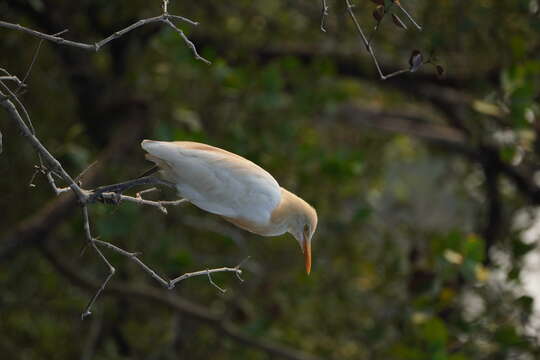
(302, 226)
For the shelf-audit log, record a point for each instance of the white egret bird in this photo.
(235, 188)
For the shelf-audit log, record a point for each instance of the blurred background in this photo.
(427, 187)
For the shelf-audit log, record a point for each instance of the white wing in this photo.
(216, 180)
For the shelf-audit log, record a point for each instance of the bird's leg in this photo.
(154, 169)
(123, 186)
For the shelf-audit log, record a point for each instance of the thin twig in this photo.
(21, 106)
(101, 194)
(12, 78)
(13, 95)
(80, 177)
(34, 58)
(223, 291)
(397, 72)
(165, 5)
(411, 19)
(133, 257)
(88, 310)
(124, 31)
(99, 44)
(52, 168)
(53, 163)
(56, 189)
(5, 71)
(161, 205)
(146, 191)
(153, 296)
(188, 42)
(184, 19)
(206, 272)
(169, 284)
(9, 77)
(33, 177)
(369, 47)
(324, 15)
(239, 266)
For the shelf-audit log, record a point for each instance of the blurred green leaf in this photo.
(434, 332)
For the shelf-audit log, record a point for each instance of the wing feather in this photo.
(216, 180)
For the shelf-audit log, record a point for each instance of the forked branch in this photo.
(53, 170)
(383, 8)
(169, 284)
(367, 43)
(106, 194)
(152, 295)
(164, 18)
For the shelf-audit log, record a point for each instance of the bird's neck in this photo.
(286, 211)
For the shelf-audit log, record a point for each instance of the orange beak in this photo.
(306, 249)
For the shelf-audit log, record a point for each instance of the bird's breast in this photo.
(259, 228)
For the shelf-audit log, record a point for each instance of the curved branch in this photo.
(176, 303)
(54, 164)
(163, 18)
(39, 225)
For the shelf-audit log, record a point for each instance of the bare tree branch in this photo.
(112, 270)
(51, 168)
(186, 40)
(54, 165)
(161, 205)
(163, 18)
(34, 58)
(367, 42)
(11, 78)
(36, 227)
(160, 297)
(14, 97)
(8, 77)
(111, 192)
(324, 15)
(411, 19)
